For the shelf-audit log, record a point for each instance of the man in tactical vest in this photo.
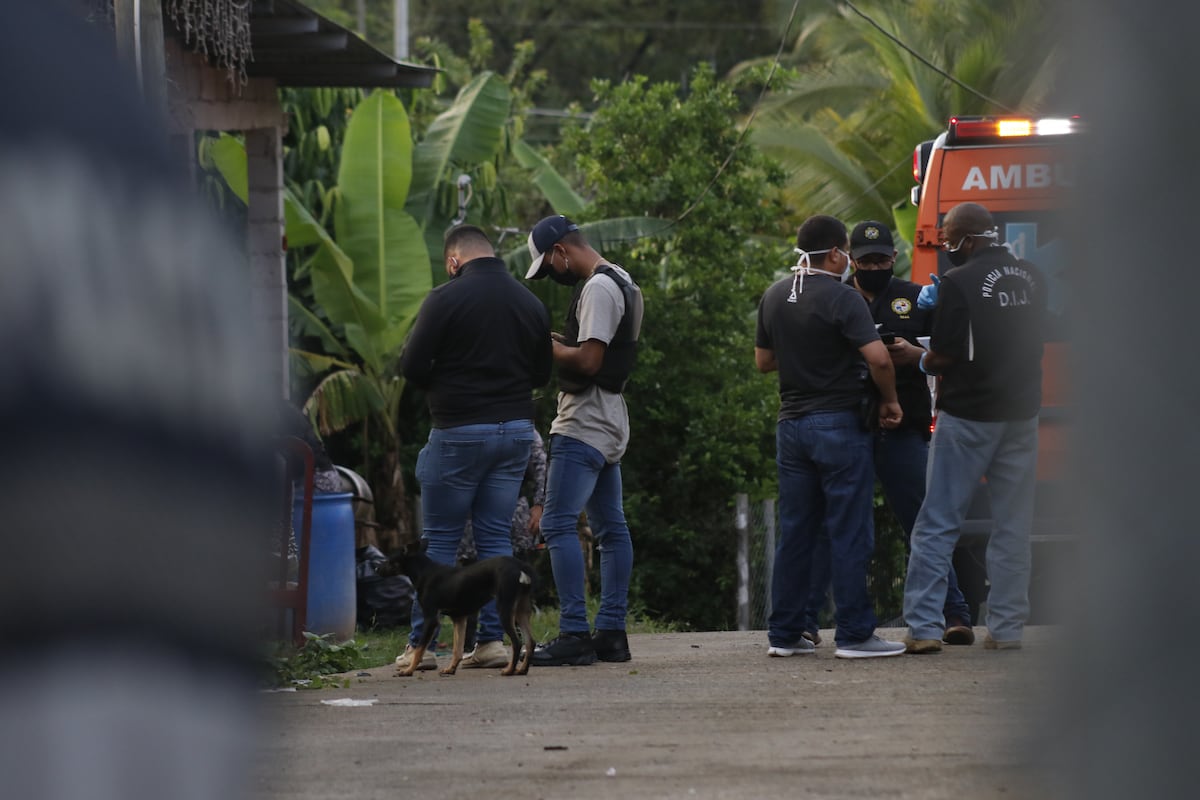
(595, 354)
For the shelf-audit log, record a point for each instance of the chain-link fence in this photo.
(757, 527)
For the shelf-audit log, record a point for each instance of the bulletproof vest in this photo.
(621, 353)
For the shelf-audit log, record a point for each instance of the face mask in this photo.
(873, 280)
(566, 278)
(804, 267)
(847, 272)
(958, 256)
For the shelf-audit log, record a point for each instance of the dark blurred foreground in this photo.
(133, 493)
(133, 500)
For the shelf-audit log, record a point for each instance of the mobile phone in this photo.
(888, 337)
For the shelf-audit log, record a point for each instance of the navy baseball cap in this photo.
(545, 235)
(871, 238)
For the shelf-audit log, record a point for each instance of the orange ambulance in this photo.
(1021, 170)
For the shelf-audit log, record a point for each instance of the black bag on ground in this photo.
(382, 602)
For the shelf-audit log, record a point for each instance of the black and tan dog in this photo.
(459, 592)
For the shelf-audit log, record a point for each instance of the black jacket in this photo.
(989, 319)
(480, 345)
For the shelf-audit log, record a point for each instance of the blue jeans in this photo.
(962, 453)
(901, 458)
(475, 472)
(579, 478)
(825, 482)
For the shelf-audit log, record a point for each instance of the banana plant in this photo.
(371, 273)
(369, 277)
(469, 133)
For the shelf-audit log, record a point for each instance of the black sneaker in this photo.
(611, 645)
(569, 649)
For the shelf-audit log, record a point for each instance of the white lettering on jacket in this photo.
(1009, 296)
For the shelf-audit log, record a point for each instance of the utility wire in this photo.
(924, 60)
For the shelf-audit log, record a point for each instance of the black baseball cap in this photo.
(871, 238)
(545, 235)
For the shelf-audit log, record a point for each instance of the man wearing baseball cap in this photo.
(595, 355)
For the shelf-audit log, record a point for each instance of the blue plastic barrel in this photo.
(331, 587)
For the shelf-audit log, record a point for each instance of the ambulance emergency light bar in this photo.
(999, 129)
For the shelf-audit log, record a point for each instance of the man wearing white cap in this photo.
(595, 355)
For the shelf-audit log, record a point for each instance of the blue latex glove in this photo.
(929, 294)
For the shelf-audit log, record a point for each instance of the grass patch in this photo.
(312, 666)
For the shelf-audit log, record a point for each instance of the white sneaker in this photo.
(487, 655)
(873, 647)
(428, 661)
(801, 648)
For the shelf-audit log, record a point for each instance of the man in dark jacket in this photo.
(987, 347)
(480, 345)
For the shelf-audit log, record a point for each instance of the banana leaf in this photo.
(377, 299)
(228, 155)
(556, 189)
(467, 133)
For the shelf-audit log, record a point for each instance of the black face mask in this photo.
(873, 280)
(565, 278)
(958, 257)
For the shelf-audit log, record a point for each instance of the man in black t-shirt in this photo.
(817, 333)
(900, 454)
(986, 345)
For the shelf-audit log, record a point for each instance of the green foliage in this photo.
(702, 419)
(545, 621)
(885, 583)
(376, 304)
(466, 135)
(310, 666)
(610, 39)
(317, 122)
(390, 196)
(847, 125)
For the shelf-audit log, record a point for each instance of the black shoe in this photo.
(958, 631)
(611, 645)
(569, 649)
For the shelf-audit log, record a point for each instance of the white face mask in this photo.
(804, 267)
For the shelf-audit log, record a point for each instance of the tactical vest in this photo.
(621, 353)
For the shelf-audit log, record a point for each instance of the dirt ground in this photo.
(704, 715)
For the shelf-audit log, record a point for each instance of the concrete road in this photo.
(694, 715)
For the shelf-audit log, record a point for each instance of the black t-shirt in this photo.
(816, 341)
(895, 309)
(989, 319)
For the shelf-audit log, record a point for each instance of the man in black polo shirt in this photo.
(901, 454)
(480, 345)
(818, 334)
(987, 347)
